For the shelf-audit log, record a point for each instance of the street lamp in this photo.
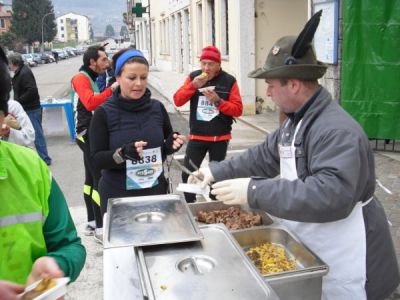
(50, 13)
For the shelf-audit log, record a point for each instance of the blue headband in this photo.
(124, 58)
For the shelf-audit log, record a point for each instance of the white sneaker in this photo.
(98, 235)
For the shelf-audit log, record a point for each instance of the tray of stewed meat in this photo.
(233, 216)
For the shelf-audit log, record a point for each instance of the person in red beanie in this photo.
(214, 101)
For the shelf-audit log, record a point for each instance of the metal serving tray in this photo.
(149, 220)
(219, 205)
(121, 275)
(303, 283)
(213, 269)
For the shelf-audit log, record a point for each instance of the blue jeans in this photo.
(40, 142)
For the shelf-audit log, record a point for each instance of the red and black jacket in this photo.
(219, 128)
(88, 100)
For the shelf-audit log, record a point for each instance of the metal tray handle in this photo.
(144, 276)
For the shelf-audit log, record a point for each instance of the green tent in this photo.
(370, 85)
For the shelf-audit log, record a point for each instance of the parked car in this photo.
(70, 51)
(65, 54)
(61, 53)
(28, 59)
(37, 58)
(80, 50)
(51, 56)
(45, 57)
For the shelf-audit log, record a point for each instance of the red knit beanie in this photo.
(211, 53)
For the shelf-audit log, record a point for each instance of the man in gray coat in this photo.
(325, 191)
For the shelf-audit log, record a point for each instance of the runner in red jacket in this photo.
(214, 101)
(86, 98)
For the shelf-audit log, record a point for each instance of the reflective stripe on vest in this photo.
(19, 219)
(96, 197)
(87, 189)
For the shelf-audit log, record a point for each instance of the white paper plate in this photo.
(191, 188)
(52, 294)
(210, 88)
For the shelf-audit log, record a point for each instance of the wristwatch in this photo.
(217, 103)
(118, 157)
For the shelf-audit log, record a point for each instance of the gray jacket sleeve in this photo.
(337, 179)
(262, 160)
(331, 190)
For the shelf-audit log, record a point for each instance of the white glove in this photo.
(204, 173)
(232, 191)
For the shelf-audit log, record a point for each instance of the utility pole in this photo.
(50, 13)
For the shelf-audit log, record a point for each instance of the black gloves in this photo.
(169, 142)
(128, 151)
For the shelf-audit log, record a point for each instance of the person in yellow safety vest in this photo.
(38, 236)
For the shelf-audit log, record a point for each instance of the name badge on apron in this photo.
(206, 110)
(143, 173)
(285, 151)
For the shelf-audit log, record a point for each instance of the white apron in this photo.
(340, 244)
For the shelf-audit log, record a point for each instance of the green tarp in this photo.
(370, 85)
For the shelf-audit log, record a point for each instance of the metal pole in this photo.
(151, 42)
(43, 30)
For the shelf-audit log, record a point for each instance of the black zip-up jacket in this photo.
(25, 88)
(120, 121)
(221, 124)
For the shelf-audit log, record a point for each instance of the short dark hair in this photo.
(92, 53)
(137, 59)
(5, 82)
(16, 59)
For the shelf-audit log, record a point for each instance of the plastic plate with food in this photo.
(46, 289)
(209, 88)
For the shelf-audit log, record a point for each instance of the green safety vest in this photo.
(25, 184)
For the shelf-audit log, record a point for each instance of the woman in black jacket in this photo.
(131, 134)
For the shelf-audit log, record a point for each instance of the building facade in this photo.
(5, 17)
(174, 32)
(73, 27)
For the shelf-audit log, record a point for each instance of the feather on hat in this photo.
(293, 57)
